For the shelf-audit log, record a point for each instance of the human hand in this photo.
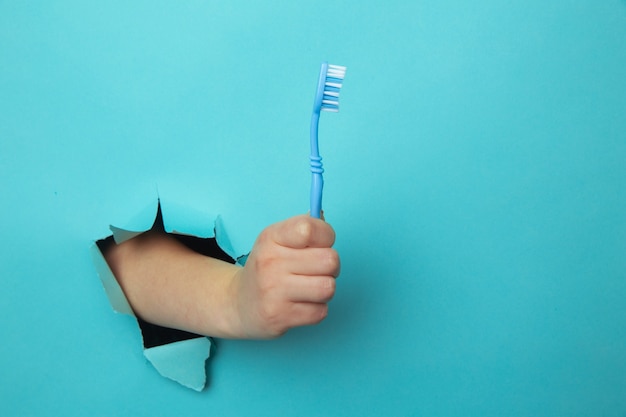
(288, 279)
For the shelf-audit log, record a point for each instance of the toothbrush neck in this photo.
(314, 132)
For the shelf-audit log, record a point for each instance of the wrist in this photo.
(229, 317)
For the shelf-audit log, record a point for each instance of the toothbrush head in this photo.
(328, 87)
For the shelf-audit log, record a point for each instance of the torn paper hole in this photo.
(176, 354)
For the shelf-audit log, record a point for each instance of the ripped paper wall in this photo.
(178, 355)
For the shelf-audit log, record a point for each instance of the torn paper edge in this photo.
(183, 361)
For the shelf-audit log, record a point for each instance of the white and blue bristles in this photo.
(326, 99)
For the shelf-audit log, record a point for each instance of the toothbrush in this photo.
(326, 99)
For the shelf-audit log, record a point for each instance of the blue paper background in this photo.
(475, 178)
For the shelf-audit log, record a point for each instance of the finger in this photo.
(309, 289)
(312, 261)
(302, 232)
(303, 314)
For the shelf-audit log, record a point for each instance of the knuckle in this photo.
(270, 316)
(327, 288)
(274, 331)
(264, 237)
(320, 314)
(264, 260)
(332, 261)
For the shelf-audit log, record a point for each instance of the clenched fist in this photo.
(288, 279)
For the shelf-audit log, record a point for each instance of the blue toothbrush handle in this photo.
(317, 186)
(317, 181)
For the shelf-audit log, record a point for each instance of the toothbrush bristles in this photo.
(334, 77)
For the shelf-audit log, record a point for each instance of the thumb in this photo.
(301, 232)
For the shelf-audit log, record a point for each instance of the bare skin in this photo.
(287, 282)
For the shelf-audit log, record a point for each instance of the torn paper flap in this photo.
(222, 238)
(183, 220)
(183, 362)
(114, 292)
(137, 224)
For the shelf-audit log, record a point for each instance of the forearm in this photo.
(288, 281)
(170, 285)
